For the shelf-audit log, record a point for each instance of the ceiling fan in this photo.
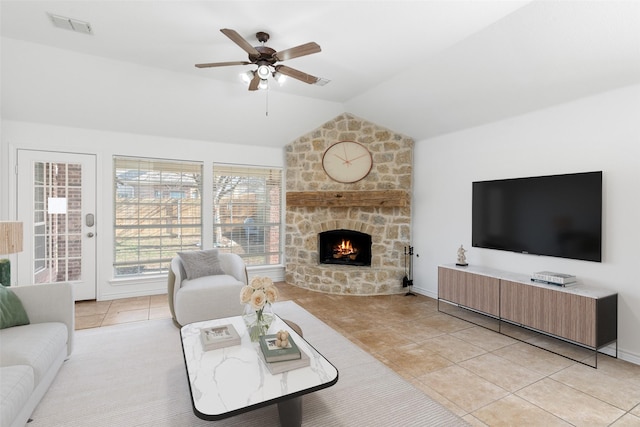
(265, 58)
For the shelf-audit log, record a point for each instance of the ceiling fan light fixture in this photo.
(247, 76)
(264, 84)
(263, 71)
(279, 77)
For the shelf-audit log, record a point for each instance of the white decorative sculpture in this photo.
(462, 261)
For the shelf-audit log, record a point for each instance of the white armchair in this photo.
(206, 297)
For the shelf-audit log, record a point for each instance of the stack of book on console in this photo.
(281, 359)
(215, 337)
(551, 278)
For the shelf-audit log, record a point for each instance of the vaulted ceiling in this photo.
(421, 68)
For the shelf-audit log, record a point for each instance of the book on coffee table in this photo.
(287, 365)
(273, 353)
(216, 337)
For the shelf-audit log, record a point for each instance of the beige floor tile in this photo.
(417, 331)
(622, 393)
(618, 368)
(114, 318)
(415, 360)
(445, 323)
(563, 348)
(502, 372)
(463, 387)
(137, 303)
(379, 339)
(429, 391)
(473, 421)
(414, 308)
(571, 405)
(517, 332)
(534, 358)
(636, 411)
(453, 348)
(514, 411)
(161, 300)
(349, 322)
(484, 338)
(89, 321)
(90, 308)
(628, 420)
(472, 317)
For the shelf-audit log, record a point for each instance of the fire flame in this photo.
(345, 248)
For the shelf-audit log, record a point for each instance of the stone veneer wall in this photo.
(390, 227)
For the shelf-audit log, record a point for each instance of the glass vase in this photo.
(258, 321)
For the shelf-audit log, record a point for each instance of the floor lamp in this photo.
(10, 243)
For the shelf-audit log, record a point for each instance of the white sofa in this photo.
(31, 355)
(207, 297)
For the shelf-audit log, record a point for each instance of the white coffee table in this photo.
(233, 380)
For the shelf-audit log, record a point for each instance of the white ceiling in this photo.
(421, 68)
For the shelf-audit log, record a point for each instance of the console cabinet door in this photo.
(512, 297)
(483, 293)
(470, 290)
(578, 319)
(451, 285)
(553, 311)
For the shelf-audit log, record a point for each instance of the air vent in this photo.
(71, 24)
(322, 82)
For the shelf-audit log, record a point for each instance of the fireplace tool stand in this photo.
(407, 280)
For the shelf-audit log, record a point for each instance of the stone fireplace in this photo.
(375, 211)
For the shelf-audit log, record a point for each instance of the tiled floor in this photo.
(93, 314)
(486, 378)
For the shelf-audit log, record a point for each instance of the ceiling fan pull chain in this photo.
(266, 113)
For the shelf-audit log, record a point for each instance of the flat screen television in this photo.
(556, 215)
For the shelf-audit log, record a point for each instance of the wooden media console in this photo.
(582, 315)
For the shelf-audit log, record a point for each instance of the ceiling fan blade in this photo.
(298, 75)
(255, 81)
(222, 64)
(240, 41)
(295, 52)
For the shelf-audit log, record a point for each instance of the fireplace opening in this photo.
(346, 247)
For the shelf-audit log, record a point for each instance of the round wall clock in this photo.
(347, 161)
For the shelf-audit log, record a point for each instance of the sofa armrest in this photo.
(233, 265)
(52, 302)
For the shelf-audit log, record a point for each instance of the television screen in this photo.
(556, 215)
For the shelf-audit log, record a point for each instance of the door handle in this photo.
(90, 234)
(90, 220)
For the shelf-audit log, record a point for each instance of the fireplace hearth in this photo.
(344, 247)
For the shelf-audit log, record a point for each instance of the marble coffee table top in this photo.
(232, 380)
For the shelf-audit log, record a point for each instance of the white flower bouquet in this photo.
(258, 297)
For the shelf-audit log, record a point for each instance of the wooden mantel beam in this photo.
(332, 199)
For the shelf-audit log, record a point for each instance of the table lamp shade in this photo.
(10, 237)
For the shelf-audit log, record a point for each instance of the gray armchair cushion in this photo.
(201, 263)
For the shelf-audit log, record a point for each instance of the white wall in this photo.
(22, 135)
(596, 133)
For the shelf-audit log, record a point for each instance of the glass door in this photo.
(56, 203)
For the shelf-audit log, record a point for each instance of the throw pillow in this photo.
(11, 310)
(201, 263)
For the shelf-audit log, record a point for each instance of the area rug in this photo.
(133, 375)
